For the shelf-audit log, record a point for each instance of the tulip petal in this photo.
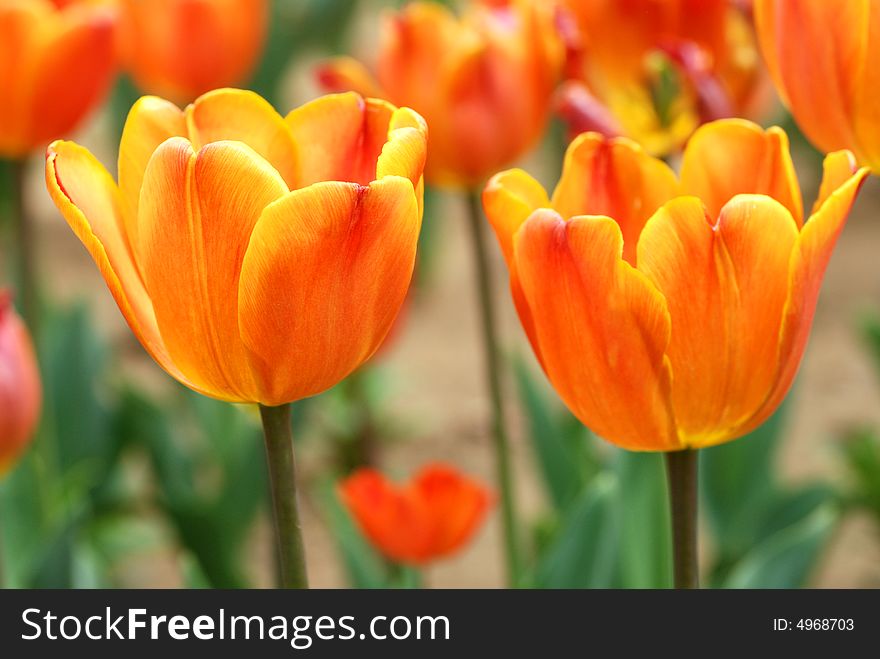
(150, 122)
(243, 116)
(810, 258)
(457, 505)
(616, 178)
(603, 328)
(346, 74)
(814, 50)
(405, 151)
(867, 101)
(90, 202)
(398, 523)
(202, 209)
(344, 137)
(726, 285)
(325, 274)
(509, 199)
(734, 156)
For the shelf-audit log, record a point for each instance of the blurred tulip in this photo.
(20, 392)
(430, 517)
(257, 258)
(483, 82)
(823, 57)
(664, 321)
(56, 62)
(180, 49)
(660, 67)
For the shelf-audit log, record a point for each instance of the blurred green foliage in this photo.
(860, 447)
(608, 524)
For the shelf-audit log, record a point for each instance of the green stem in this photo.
(493, 381)
(282, 477)
(24, 248)
(681, 473)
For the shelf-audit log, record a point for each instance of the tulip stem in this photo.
(493, 381)
(282, 478)
(24, 247)
(681, 474)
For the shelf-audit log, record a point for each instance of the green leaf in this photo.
(643, 513)
(364, 567)
(786, 559)
(585, 550)
(210, 472)
(561, 447)
(861, 451)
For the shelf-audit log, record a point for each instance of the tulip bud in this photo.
(180, 49)
(56, 62)
(20, 394)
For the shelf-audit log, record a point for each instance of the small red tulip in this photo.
(430, 517)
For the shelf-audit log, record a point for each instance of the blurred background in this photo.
(132, 480)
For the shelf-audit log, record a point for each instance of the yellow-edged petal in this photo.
(725, 284)
(197, 213)
(602, 327)
(244, 116)
(90, 202)
(734, 156)
(616, 178)
(326, 271)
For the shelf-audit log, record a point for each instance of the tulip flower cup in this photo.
(257, 258)
(671, 313)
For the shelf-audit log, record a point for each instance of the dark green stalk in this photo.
(681, 472)
(282, 477)
(493, 381)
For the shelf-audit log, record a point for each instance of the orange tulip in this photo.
(430, 517)
(56, 62)
(20, 393)
(660, 68)
(257, 258)
(180, 49)
(823, 57)
(667, 321)
(483, 82)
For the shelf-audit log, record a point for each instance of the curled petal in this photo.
(735, 156)
(243, 116)
(196, 218)
(602, 327)
(90, 202)
(325, 274)
(615, 178)
(725, 285)
(150, 122)
(344, 137)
